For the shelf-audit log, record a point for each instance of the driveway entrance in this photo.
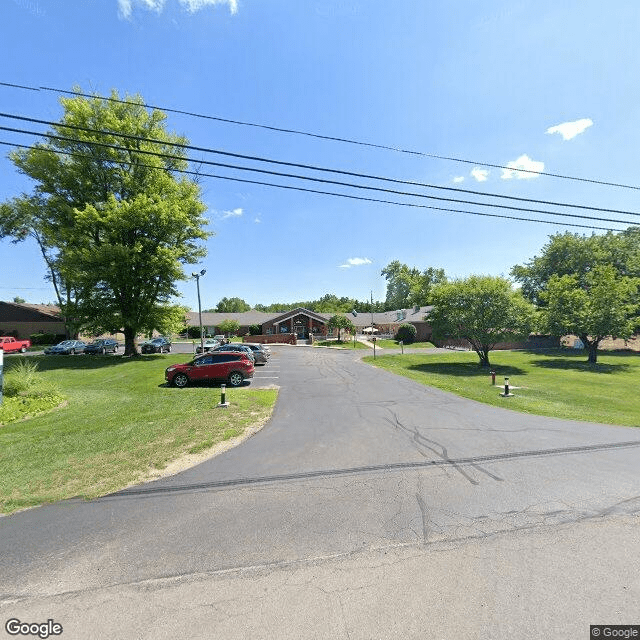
(355, 462)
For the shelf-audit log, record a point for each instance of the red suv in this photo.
(232, 367)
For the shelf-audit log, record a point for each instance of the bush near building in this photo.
(406, 333)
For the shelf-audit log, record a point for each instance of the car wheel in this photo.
(72, 352)
(236, 379)
(180, 380)
(169, 349)
(23, 349)
(104, 351)
(115, 349)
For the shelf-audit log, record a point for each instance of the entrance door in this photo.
(300, 330)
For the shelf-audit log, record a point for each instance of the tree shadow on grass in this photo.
(80, 361)
(581, 365)
(466, 369)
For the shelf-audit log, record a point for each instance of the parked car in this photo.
(66, 347)
(9, 344)
(236, 346)
(157, 345)
(102, 345)
(261, 355)
(230, 366)
(209, 344)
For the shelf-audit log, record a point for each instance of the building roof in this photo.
(244, 319)
(24, 312)
(361, 319)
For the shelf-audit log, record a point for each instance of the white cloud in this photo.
(355, 262)
(195, 5)
(125, 7)
(569, 130)
(530, 168)
(458, 179)
(481, 175)
(235, 213)
(257, 220)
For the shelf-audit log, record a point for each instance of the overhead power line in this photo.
(310, 167)
(325, 137)
(335, 194)
(323, 180)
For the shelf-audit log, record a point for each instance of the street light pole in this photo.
(197, 277)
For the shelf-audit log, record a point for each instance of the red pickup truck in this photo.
(9, 344)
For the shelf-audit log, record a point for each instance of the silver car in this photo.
(259, 352)
(235, 346)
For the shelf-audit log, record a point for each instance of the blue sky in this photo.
(549, 86)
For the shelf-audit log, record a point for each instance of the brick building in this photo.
(26, 319)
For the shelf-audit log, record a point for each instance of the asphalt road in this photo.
(369, 506)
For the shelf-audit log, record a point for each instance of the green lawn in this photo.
(119, 423)
(558, 383)
(340, 344)
(393, 344)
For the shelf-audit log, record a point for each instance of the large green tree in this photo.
(572, 254)
(114, 217)
(232, 305)
(586, 285)
(483, 310)
(604, 306)
(408, 286)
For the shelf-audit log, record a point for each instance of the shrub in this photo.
(21, 378)
(44, 338)
(194, 332)
(407, 333)
(255, 330)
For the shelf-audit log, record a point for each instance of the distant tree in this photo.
(232, 305)
(406, 333)
(340, 322)
(572, 254)
(604, 305)
(229, 327)
(19, 300)
(255, 330)
(408, 287)
(483, 310)
(586, 285)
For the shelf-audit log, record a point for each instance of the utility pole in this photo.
(197, 277)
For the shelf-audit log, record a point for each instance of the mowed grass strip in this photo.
(394, 344)
(119, 423)
(558, 383)
(340, 344)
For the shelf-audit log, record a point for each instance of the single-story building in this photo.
(26, 319)
(303, 322)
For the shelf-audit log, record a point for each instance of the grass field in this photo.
(393, 344)
(559, 383)
(120, 422)
(340, 344)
